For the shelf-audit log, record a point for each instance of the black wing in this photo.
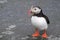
(46, 19)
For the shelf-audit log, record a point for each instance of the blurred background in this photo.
(14, 19)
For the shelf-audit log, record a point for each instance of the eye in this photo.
(35, 9)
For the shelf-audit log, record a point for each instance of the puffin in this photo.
(39, 21)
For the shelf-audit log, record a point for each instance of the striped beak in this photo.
(30, 11)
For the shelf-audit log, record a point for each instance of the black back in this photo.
(42, 15)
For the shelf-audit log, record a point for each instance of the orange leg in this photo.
(44, 35)
(36, 34)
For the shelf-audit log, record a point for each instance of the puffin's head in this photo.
(35, 10)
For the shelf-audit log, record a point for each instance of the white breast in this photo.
(39, 22)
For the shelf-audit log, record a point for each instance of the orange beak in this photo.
(29, 12)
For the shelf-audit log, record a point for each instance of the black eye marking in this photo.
(34, 9)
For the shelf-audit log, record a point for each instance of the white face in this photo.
(35, 10)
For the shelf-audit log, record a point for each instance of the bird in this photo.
(39, 20)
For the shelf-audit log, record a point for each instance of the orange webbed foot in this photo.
(44, 35)
(36, 34)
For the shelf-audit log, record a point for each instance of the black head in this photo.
(36, 10)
